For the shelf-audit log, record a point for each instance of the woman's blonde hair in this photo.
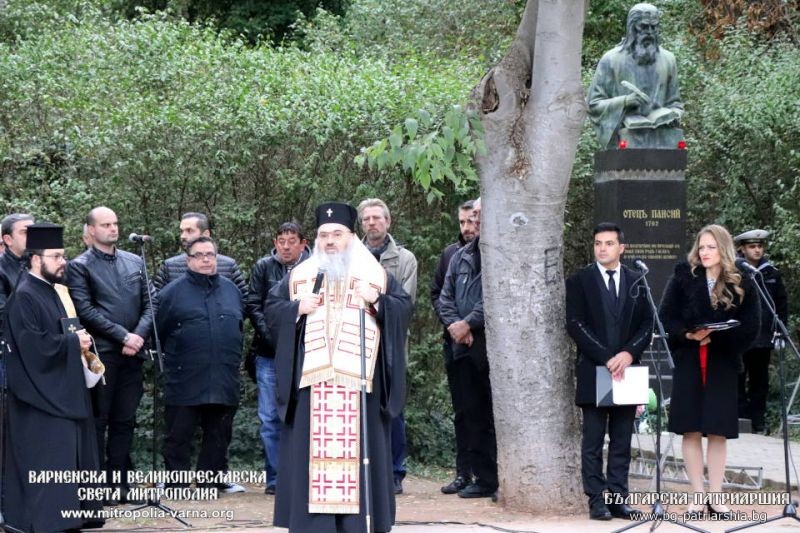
(730, 275)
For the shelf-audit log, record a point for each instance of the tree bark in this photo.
(532, 108)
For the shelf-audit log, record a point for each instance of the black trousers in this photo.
(463, 468)
(754, 385)
(475, 388)
(115, 405)
(619, 421)
(216, 422)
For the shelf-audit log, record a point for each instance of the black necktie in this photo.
(612, 286)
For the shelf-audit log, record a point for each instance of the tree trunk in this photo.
(532, 108)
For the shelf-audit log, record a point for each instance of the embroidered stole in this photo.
(332, 368)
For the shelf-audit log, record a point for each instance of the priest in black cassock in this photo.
(320, 479)
(49, 411)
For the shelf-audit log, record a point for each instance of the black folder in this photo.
(70, 325)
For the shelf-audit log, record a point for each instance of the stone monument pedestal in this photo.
(644, 191)
(661, 138)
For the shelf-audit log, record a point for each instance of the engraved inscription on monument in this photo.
(652, 214)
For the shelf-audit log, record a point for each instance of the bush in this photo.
(744, 127)
(157, 116)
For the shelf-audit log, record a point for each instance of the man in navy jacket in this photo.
(200, 318)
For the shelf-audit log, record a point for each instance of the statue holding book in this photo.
(634, 97)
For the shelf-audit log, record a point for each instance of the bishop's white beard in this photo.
(337, 264)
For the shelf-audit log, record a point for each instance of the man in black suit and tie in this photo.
(611, 326)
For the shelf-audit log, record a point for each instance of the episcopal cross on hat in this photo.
(337, 213)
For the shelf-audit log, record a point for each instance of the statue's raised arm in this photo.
(634, 96)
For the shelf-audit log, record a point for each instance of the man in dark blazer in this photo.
(611, 323)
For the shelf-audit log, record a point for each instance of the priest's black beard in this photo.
(52, 277)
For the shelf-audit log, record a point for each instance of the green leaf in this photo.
(410, 159)
(424, 118)
(411, 127)
(424, 178)
(447, 132)
(449, 152)
(396, 138)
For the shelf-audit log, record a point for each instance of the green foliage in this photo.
(252, 19)
(156, 116)
(604, 28)
(429, 415)
(744, 126)
(22, 18)
(476, 32)
(195, 121)
(432, 153)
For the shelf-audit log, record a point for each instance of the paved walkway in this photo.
(424, 509)
(749, 450)
(585, 526)
(576, 526)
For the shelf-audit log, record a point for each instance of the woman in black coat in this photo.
(707, 289)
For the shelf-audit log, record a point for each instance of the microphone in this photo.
(744, 266)
(318, 281)
(641, 266)
(139, 239)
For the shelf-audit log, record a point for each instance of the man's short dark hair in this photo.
(290, 227)
(469, 204)
(7, 224)
(199, 240)
(27, 257)
(609, 226)
(202, 220)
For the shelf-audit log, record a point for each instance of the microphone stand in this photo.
(364, 425)
(782, 337)
(657, 513)
(155, 500)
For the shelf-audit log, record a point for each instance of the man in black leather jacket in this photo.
(461, 311)
(291, 249)
(193, 225)
(14, 229)
(111, 297)
(466, 234)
